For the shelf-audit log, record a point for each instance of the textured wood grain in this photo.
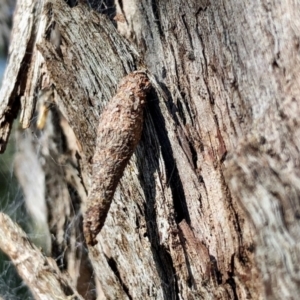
(227, 85)
(102, 58)
(263, 174)
(230, 70)
(21, 50)
(118, 133)
(40, 273)
(50, 31)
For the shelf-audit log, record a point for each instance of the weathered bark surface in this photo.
(39, 272)
(208, 207)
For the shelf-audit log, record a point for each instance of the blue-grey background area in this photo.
(2, 67)
(11, 200)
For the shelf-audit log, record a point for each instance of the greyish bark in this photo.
(208, 206)
(39, 272)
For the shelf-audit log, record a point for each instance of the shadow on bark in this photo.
(148, 156)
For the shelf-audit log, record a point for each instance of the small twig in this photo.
(39, 272)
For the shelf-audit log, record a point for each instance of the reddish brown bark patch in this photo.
(119, 132)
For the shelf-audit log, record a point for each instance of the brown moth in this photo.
(119, 132)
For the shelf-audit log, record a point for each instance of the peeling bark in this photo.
(207, 207)
(39, 272)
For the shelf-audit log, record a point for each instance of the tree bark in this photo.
(39, 272)
(208, 206)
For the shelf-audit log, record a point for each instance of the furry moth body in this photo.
(119, 132)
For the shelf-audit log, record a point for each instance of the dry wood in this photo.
(261, 174)
(40, 273)
(211, 194)
(43, 79)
